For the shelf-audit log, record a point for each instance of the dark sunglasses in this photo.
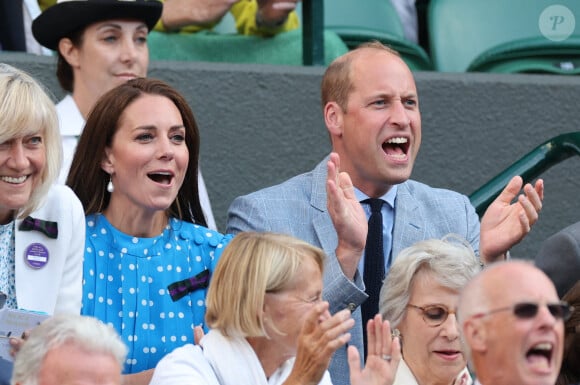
(433, 315)
(526, 310)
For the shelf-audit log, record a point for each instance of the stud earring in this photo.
(395, 333)
(110, 187)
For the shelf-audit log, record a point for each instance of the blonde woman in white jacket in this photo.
(270, 326)
(42, 228)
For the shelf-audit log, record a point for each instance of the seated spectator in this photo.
(41, 224)
(559, 258)
(513, 324)
(147, 258)
(270, 325)
(419, 297)
(70, 349)
(407, 12)
(253, 17)
(100, 44)
(570, 370)
(15, 34)
(371, 112)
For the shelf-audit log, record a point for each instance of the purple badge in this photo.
(36, 255)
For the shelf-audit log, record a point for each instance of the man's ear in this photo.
(107, 162)
(333, 118)
(69, 52)
(474, 334)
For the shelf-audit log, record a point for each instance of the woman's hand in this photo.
(321, 335)
(16, 343)
(384, 354)
(198, 334)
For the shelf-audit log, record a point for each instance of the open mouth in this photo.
(161, 177)
(449, 354)
(396, 148)
(14, 180)
(540, 355)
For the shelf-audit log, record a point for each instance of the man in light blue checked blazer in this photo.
(371, 111)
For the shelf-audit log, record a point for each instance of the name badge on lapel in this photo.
(36, 255)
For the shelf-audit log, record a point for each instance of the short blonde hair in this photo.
(450, 259)
(26, 109)
(252, 265)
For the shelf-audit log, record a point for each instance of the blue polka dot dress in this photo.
(126, 281)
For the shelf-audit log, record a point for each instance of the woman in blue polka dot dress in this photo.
(148, 254)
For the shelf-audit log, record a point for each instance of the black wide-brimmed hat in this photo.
(67, 16)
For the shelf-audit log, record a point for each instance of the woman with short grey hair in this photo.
(419, 297)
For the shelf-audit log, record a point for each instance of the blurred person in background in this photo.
(100, 44)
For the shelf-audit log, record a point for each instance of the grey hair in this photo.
(451, 260)
(86, 332)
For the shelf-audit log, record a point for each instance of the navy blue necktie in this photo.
(374, 265)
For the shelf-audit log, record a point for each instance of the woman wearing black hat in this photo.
(100, 44)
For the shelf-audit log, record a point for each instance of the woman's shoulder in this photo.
(59, 201)
(198, 234)
(186, 364)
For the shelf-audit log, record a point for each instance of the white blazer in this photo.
(55, 287)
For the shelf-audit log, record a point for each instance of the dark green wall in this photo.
(262, 124)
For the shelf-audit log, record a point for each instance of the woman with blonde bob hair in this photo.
(419, 297)
(270, 324)
(40, 259)
(24, 108)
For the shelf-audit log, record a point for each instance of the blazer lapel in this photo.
(409, 225)
(321, 221)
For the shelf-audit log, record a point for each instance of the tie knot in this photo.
(375, 203)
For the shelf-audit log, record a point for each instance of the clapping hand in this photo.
(384, 354)
(321, 335)
(348, 217)
(509, 218)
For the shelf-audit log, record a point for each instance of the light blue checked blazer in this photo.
(298, 207)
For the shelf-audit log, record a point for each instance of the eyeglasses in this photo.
(433, 315)
(526, 310)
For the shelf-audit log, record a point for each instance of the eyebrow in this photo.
(115, 25)
(391, 95)
(151, 127)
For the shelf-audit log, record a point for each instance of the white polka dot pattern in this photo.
(126, 279)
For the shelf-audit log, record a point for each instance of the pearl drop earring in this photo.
(110, 187)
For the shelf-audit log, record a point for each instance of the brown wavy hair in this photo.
(86, 177)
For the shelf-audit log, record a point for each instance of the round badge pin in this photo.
(36, 255)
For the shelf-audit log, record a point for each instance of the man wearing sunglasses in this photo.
(513, 324)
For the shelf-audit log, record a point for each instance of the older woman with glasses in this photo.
(419, 297)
